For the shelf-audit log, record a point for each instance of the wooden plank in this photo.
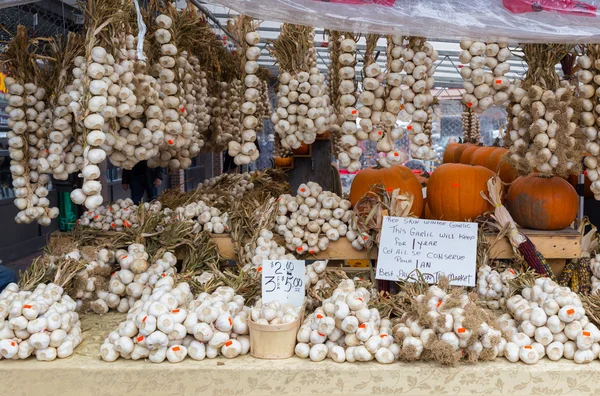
(562, 244)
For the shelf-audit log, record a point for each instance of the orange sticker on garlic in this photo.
(461, 330)
(144, 320)
(259, 269)
(175, 311)
(26, 306)
(140, 339)
(498, 81)
(319, 316)
(176, 348)
(439, 303)
(528, 347)
(321, 334)
(230, 322)
(586, 333)
(354, 111)
(570, 312)
(228, 343)
(363, 326)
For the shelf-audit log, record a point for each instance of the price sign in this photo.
(434, 248)
(283, 281)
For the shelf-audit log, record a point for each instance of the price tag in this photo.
(434, 248)
(283, 281)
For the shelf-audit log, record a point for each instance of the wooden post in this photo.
(316, 168)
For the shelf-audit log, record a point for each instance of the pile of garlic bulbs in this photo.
(492, 286)
(246, 151)
(265, 249)
(447, 326)
(42, 323)
(274, 313)
(29, 165)
(485, 88)
(549, 320)
(419, 57)
(589, 76)
(345, 329)
(118, 216)
(94, 279)
(204, 217)
(349, 155)
(135, 278)
(303, 219)
(543, 134)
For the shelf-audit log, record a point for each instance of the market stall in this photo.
(477, 277)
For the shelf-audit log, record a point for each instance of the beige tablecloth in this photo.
(85, 374)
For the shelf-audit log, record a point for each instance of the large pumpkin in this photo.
(542, 203)
(454, 192)
(465, 157)
(480, 156)
(392, 178)
(497, 163)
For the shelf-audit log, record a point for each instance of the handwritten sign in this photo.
(283, 281)
(434, 248)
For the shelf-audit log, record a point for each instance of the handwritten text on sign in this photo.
(435, 248)
(283, 281)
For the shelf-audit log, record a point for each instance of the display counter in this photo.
(85, 374)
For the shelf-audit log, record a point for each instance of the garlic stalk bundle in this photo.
(543, 133)
(347, 112)
(313, 218)
(549, 320)
(446, 327)
(589, 119)
(345, 329)
(42, 322)
(484, 68)
(493, 287)
(470, 125)
(274, 313)
(419, 57)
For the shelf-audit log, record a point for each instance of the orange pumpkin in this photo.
(466, 156)
(453, 192)
(449, 153)
(480, 156)
(303, 150)
(395, 177)
(282, 162)
(497, 163)
(542, 203)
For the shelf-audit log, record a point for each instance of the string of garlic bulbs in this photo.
(372, 96)
(589, 76)
(345, 329)
(419, 57)
(549, 320)
(313, 218)
(246, 151)
(485, 88)
(347, 113)
(42, 322)
(470, 125)
(389, 133)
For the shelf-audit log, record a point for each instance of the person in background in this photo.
(142, 180)
(7, 276)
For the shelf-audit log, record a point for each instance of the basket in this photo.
(274, 341)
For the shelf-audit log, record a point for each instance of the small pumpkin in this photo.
(542, 203)
(453, 192)
(303, 150)
(466, 156)
(392, 178)
(497, 162)
(480, 156)
(449, 153)
(282, 162)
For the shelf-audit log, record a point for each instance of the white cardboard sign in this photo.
(283, 281)
(435, 248)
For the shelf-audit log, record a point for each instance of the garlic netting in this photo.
(485, 88)
(245, 151)
(470, 126)
(345, 329)
(548, 320)
(492, 286)
(349, 156)
(589, 76)
(313, 218)
(274, 313)
(42, 322)
(447, 326)
(419, 57)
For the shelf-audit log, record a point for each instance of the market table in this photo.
(85, 374)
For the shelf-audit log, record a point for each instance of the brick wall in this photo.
(177, 178)
(217, 164)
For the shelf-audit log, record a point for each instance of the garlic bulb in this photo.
(493, 287)
(274, 313)
(42, 322)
